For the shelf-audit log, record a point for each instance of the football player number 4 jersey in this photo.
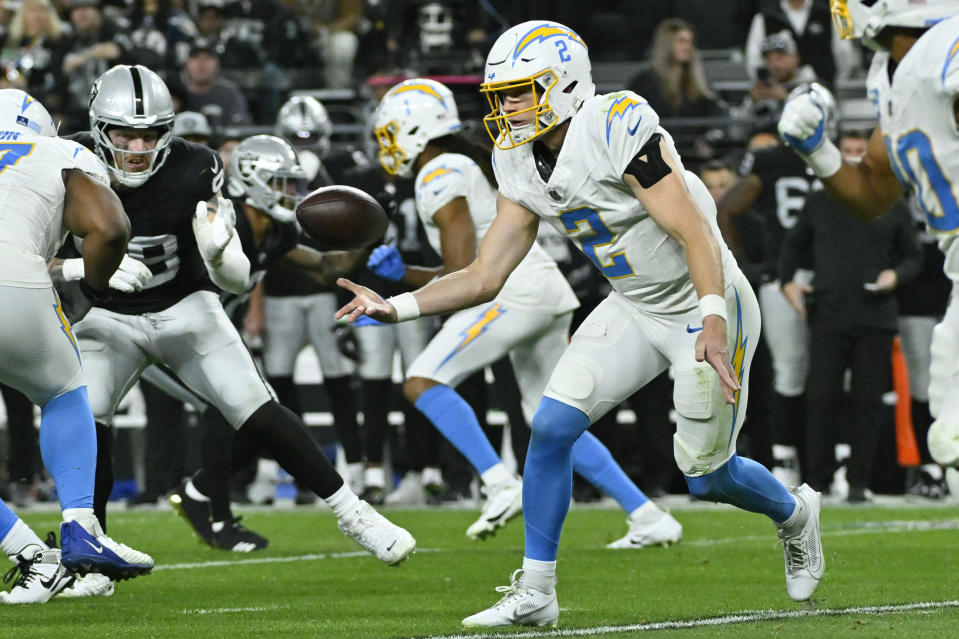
(922, 136)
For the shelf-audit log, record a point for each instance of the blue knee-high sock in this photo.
(7, 519)
(592, 460)
(68, 445)
(745, 484)
(453, 417)
(548, 476)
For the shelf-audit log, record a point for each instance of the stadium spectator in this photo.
(95, 44)
(337, 24)
(851, 312)
(675, 84)
(216, 97)
(164, 30)
(34, 45)
(809, 24)
(238, 45)
(192, 126)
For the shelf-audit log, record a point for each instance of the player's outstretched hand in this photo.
(131, 276)
(711, 346)
(213, 236)
(364, 302)
(386, 261)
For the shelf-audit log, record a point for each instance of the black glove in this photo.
(77, 298)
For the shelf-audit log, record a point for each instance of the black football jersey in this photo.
(161, 215)
(278, 241)
(786, 181)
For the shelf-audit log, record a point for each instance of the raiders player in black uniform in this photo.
(776, 185)
(184, 231)
(266, 181)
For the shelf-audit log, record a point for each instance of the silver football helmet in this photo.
(265, 170)
(304, 123)
(19, 111)
(131, 97)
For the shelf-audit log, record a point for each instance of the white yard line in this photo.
(725, 620)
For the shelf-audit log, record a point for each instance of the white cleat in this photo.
(90, 585)
(41, 577)
(503, 502)
(802, 549)
(521, 605)
(649, 526)
(385, 540)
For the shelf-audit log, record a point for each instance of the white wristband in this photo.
(712, 305)
(406, 307)
(825, 160)
(72, 269)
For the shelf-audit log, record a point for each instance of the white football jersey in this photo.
(31, 202)
(587, 200)
(537, 282)
(919, 126)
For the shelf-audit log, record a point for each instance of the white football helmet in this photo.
(265, 169)
(866, 18)
(410, 115)
(546, 58)
(304, 122)
(19, 111)
(131, 97)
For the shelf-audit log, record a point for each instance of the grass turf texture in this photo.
(727, 564)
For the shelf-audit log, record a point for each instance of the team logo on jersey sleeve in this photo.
(620, 109)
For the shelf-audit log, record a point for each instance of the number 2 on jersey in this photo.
(945, 217)
(12, 152)
(601, 236)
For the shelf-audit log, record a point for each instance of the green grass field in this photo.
(725, 579)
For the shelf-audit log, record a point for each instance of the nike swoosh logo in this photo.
(690, 329)
(49, 583)
(632, 130)
(390, 547)
(98, 549)
(496, 517)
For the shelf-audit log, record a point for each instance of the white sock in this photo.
(796, 519)
(495, 474)
(432, 475)
(21, 539)
(192, 492)
(648, 510)
(375, 477)
(540, 575)
(343, 502)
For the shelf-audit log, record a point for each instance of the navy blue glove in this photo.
(366, 320)
(386, 261)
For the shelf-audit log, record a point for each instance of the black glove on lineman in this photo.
(77, 298)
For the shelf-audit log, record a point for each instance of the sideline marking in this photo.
(743, 617)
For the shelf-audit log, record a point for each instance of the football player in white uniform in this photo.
(914, 83)
(600, 169)
(417, 126)
(50, 187)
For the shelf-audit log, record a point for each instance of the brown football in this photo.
(342, 217)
